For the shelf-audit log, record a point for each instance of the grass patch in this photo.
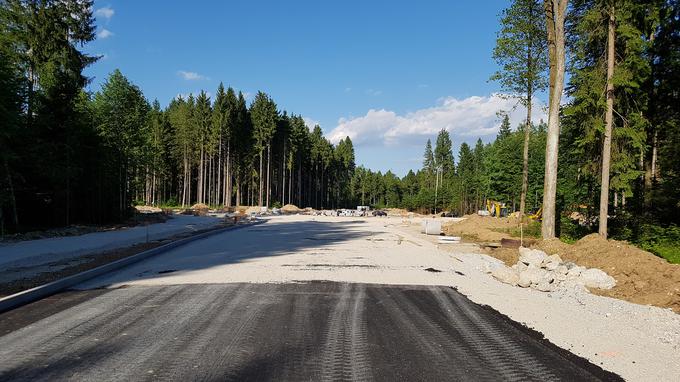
(670, 252)
(661, 240)
(531, 229)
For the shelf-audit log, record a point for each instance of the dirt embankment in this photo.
(482, 228)
(641, 277)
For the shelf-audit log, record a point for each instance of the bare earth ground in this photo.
(640, 276)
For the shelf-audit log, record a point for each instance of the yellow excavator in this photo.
(496, 209)
(537, 215)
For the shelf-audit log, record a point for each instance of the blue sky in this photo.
(389, 74)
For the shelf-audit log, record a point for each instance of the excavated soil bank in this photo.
(640, 276)
(482, 228)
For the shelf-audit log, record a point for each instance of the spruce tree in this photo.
(521, 52)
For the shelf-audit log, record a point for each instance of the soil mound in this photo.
(200, 206)
(397, 212)
(253, 210)
(640, 276)
(483, 228)
(290, 208)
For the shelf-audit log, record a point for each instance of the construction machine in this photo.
(537, 215)
(496, 209)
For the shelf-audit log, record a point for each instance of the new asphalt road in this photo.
(284, 331)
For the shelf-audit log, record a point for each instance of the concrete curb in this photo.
(42, 291)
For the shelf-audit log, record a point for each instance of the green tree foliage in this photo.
(521, 51)
(122, 115)
(70, 157)
(443, 154)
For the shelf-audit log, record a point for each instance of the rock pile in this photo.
(535, 269)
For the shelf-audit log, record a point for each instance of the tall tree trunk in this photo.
(283, 172)
(218, 190)
(227, 180)
(290, 183)
(525, 154)
(259, 202)
(608, 122)
(555, 14)
(269, 161)
(238, 190)
(299, 179)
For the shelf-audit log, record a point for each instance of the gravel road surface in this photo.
(330, 298)
(282, 332)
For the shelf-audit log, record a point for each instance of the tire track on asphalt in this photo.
(233, 354)
(160, 350)
(300, 363)
(526, 365)
(491, 343)
(57, 342)
(448, 359)
(345, 355)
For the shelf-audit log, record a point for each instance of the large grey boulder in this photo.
(596, 278)
(531, 256)
(575, 272)
(552, 262)
(532, 275)
(506, 275)
(562, 270)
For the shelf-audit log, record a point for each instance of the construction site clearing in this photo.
(640, 276)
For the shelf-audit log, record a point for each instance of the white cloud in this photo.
(105, 12)
(104, 33)
(373, 92)
(191, 76)
(310, 123)
(465, 119)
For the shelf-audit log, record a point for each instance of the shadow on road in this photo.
(275, 237)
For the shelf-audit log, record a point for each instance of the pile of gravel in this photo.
(535, 269)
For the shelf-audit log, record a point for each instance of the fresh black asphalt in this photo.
(279, 332)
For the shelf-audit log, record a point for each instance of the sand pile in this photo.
(483, 228)
(400, 212)
(148, 209)
(253, 209)
(290, 209)
(199, 209)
